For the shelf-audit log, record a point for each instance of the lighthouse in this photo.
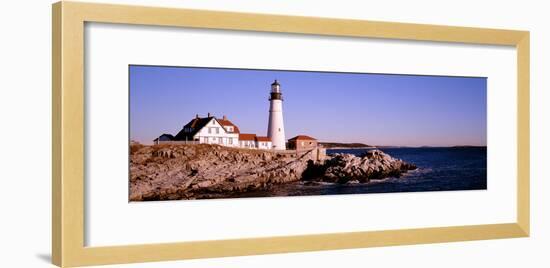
(276, 127)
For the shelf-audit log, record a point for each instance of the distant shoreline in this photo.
(390, 147)
(453, 146)
(342, 146)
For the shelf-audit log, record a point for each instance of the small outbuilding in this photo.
(247, 140)
(263, 143)
(163, 137)
(302, 142)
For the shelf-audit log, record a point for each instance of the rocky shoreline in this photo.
(171, 172)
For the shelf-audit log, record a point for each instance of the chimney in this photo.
(208, 114)
(197, 116)
(224, 117)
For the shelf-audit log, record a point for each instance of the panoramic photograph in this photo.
(208, 133)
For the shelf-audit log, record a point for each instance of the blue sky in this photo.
(377, 109)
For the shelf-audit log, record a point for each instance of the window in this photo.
(209, 130)
(217, 130)
(230, 140)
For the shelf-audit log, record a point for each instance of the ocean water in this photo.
(439, 169)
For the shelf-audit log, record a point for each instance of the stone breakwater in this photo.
(169, 172)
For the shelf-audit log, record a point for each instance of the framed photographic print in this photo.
(181, 134)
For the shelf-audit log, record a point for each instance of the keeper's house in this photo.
(212, 130)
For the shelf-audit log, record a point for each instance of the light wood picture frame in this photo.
(68, 248)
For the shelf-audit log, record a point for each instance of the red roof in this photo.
(302, 137)
(197, 123)
(263, 139)
(247, 137)
(227, 123)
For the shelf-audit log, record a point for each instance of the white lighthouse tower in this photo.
(276, 127)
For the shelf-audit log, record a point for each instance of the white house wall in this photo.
(264, 145)
(220, 136)
(247, 144)
(208, 134)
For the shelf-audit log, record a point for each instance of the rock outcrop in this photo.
(170, 171)
(164, 172)
(344, 168)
